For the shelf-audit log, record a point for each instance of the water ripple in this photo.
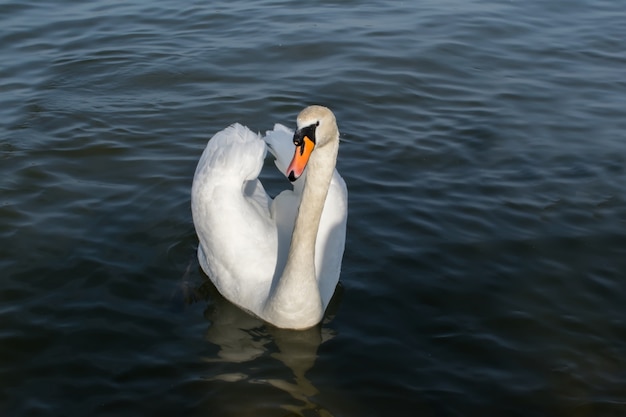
(483, 147)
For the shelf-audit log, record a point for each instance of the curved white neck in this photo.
(294, 301)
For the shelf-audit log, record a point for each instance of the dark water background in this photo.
(484, 149)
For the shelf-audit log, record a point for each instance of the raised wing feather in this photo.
(231, 212)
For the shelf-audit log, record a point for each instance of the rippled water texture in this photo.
(484, 150)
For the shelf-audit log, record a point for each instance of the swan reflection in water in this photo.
(247, 350)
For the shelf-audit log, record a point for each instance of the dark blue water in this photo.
(484, 150)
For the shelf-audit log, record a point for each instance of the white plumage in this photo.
(248, 246)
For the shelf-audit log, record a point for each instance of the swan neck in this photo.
(296, 293)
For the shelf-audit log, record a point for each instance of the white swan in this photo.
(278, 259)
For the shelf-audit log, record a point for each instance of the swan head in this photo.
(316, 127)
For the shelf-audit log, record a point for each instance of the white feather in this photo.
(245, 236)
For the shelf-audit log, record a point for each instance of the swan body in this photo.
(279, 258)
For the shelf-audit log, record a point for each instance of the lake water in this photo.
(484, 148)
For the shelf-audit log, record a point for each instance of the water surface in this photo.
(484, 150)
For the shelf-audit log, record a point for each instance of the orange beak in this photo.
(301, 156)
